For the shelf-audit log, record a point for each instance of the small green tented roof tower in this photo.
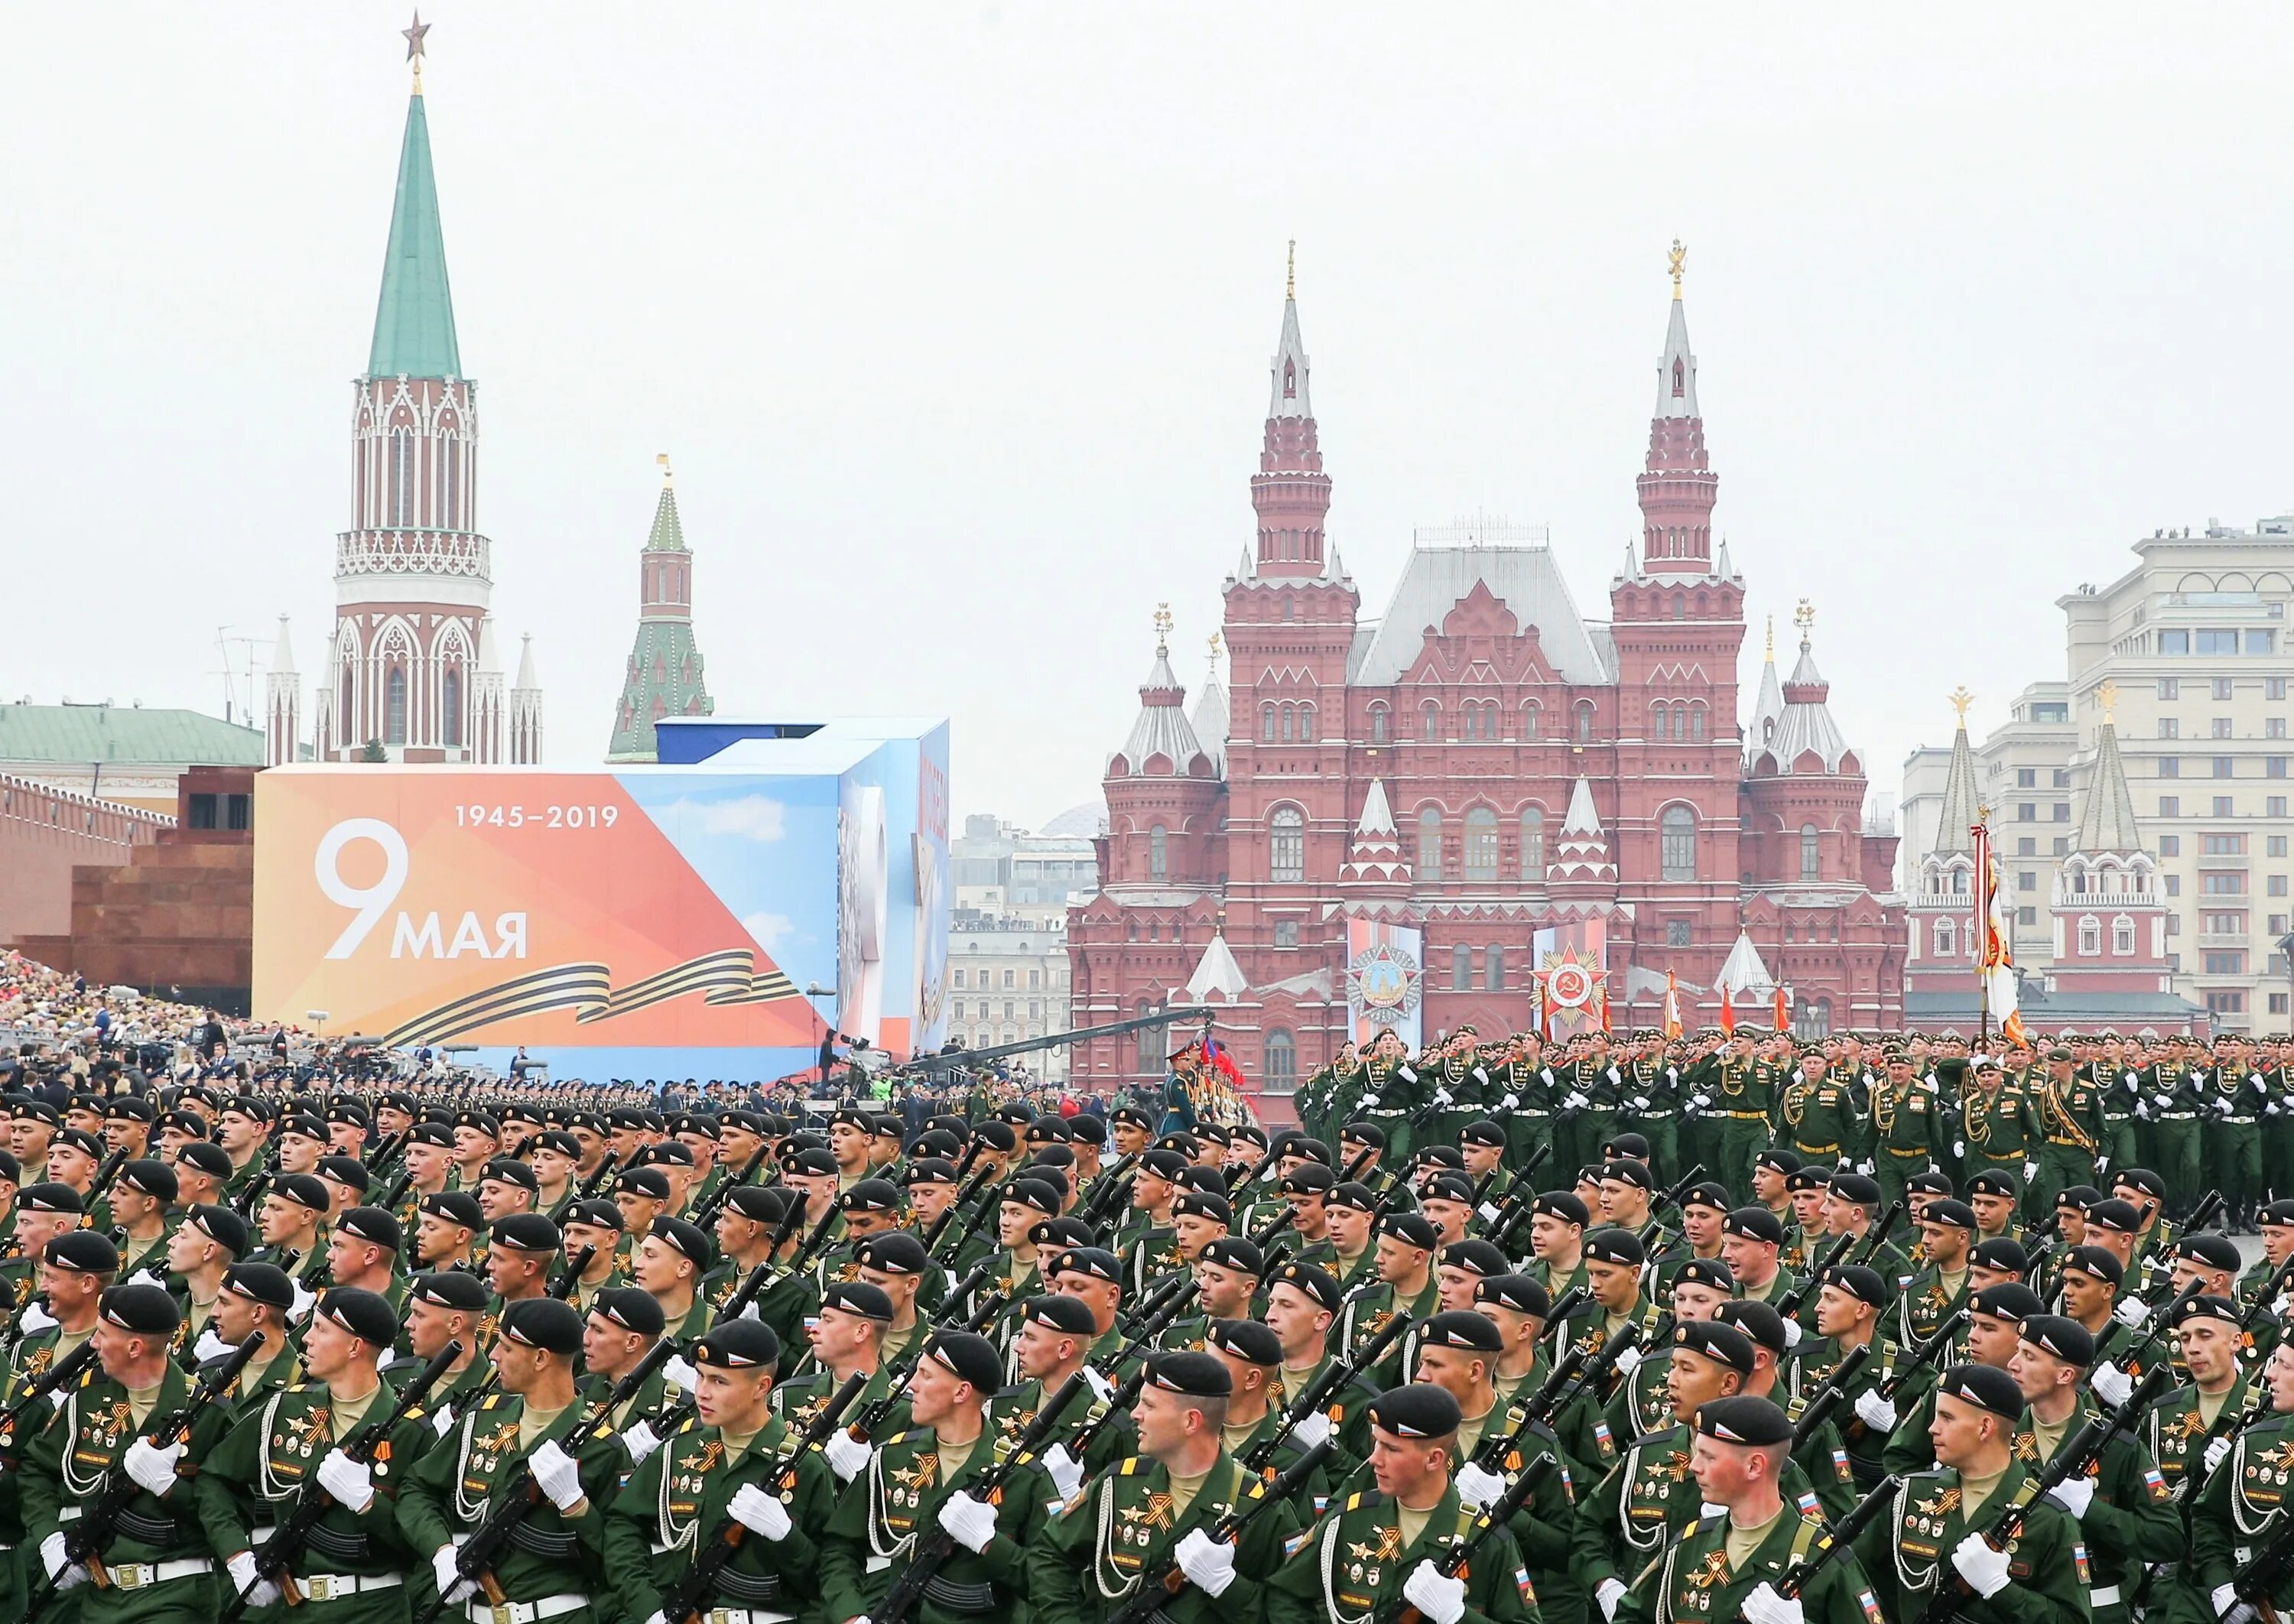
(664, 676)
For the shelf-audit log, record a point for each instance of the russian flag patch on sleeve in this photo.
(1871, 1606)
(2078, 1561)
(2156, 1484)
(1521, 1583)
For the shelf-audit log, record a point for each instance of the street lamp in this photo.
(318, 1019)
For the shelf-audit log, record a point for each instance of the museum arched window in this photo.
(1286, 854)
(1811, 853)
(1278, 1070)
(1159, 853)
(1532, 846)
(1481, 853)
(1429, 843)
(1677, 843)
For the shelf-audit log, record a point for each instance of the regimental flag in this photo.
(1727, 1012)
(1783, 1010)
(1672, 1022)
(1605, 1009)
(1995, 966)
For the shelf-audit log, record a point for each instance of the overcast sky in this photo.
(954, 321)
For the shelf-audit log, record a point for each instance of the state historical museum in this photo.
(1480, 762)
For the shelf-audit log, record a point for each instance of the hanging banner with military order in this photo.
(1386, 981)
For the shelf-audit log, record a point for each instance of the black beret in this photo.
(268, 1284)
(1362, 1134)
(2277, 1214)
(651, 1183)
(1483, 1133)
(220, 1225)
(630, 1308)
(1628, 1171)
(2067, 1339)
(2214, 1251)
(1743, 1419)
(1475, 1256)
(1461, 1328)
(1033, 1194)
(455, 1206)
(859, 1297)
(1990, 1181)
(1071, 1316)
(1097, 1262)
(1413, 1230)
(79, 1140)
(154, 1177)
(1203, 1204)
(996, 1135)
(2001, 1255)
(1708, 1271)
(1087, 1131)
(1757, 1320)
(1163, 1164)
(2010, 1300)
(1318, 1285)
(146, 1309)
(2115, 1214)
(1626, 1146)
(1985, 1388)
(486, 1124)
(451, 1288)
(1786, 1161)
(303, 1125)
(602, 1215)
(1857, 1188)
(128, 1107)
(1198, 1375)
(544, 1323)
(1308, 1179)
(1561, 1204)
(928, 1170)
(738, 1345)
(1809, 1178)
(2208, 1308)
(45, 1197)
(684, 1238)
(1717, 1340)
(1416, 1411)
(971, 1358)
(1864, 1284)
(1952, 1214)
(1358, 1196)
(82, 1252)
(527, 1232)
(1058, 1234)
(1615, 1246)
(364, 1314)
(2094, 1261)
(897, 1253)
(1754, 1223)
(1248, 1340)
(2078, 1196)
(1449, 1187)
(348, 1171)
(209, 1158)
(2143, 1179)
(1927, 1184)
(1234, 1252)
(431, 1133)
(509, 1170)
(1133, 1116)
(302, 1189)
(38, 1111)
(373, 1224)
(870, 1195)
(349, 1112)
(1516, 1292)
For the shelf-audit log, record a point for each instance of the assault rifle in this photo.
(85, 1539)
(276, 1555)
(1273, 1226)
(863, 1425)
(682, 1603)
(2070, 1461)
(1321, 1391)
(1925, 1354)
(64, 1372)
(1146, 1603)
(1826, 1397)
(1836, 1537)
(586, 1189)
(1878, 1234)
(248, 1200)
(561, 1288)
(1797, 1297)
(932, 1550)
(473, 1561)
(939, 1225)
(706, 1213)
(1453, 1562)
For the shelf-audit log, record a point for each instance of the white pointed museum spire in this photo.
(1217, 972)
(1374, 857)
(282, 652)
(1289, 398)
(1676, 369)
(1743, 971)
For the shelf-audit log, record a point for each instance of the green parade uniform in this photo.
(552, 1562)
(2119, 1087)
(1368, 1311)
(2175, 1098)
(2174, 1429)
(354, 1566)
(1927, 1303)
(1524, 1095)
(1820, 1122)
(1737, 1097)
(1811, 1366)
(1581, 1130)
(2130, 1522)
(1389, 1095)
(1905, 1131)
(1999, 1130)
(1119, 1532)
(2232, 1132)
(1908, 1553)
(1697, 1578)
(1354, 1562)
(896, 1501)
(677, 1499)
(161, 1555)
(2240, 1509)
(2073, 1133)
(2278, 1133)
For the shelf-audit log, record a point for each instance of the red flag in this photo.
(1727, 1012)
(1672, 1007)
(1784, 1017)
(1605, 1009)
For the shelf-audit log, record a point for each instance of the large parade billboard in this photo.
(655, 922)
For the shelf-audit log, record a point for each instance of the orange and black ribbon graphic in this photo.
(726, 977)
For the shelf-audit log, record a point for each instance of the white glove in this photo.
(1442, 1096)
(300, 1308)
(1510, 1103)
(1628, 1360)
(748, 1311)
(1477, 1486)
(2074, 1494)
(452, 1588)
(1405, 1074)
(1441, 1600)
(557, 1472)
(348, 1480)
(2114, 1385)
(249, 1582)
(210, 1346)
(1639, 1102)
(442, 1421)
(1792, 1333)
(2163, 1102)
(2130, 1310)
(2225, 1597)
(1876, 1413)
(760, 1513)
(1959, 1147)
(2271, 1109)
(2215, 1451)
(1984, 1569)
(1865, 1167)
(1314, 1430)
(2031, 1170)
(846, 1454)
(2221, 1108)
(153, 1470)
(1763, 1605)
(34, 1318)
(969, 1522)
(1575, 1102)
(1101, 1387)
(1706, 1512)
(64, 1572)
(1609, 1592)
(2143, 1109)
(1700, 1100)
(640, 1442)
(679, 1373)
(1067, 1472)
(1370, 1102)
(1208, 1565)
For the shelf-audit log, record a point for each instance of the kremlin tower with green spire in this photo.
(664, 676)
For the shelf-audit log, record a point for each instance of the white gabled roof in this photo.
(1741, 970)
(1219, 972)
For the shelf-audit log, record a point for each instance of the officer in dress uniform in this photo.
(2241, 1506)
